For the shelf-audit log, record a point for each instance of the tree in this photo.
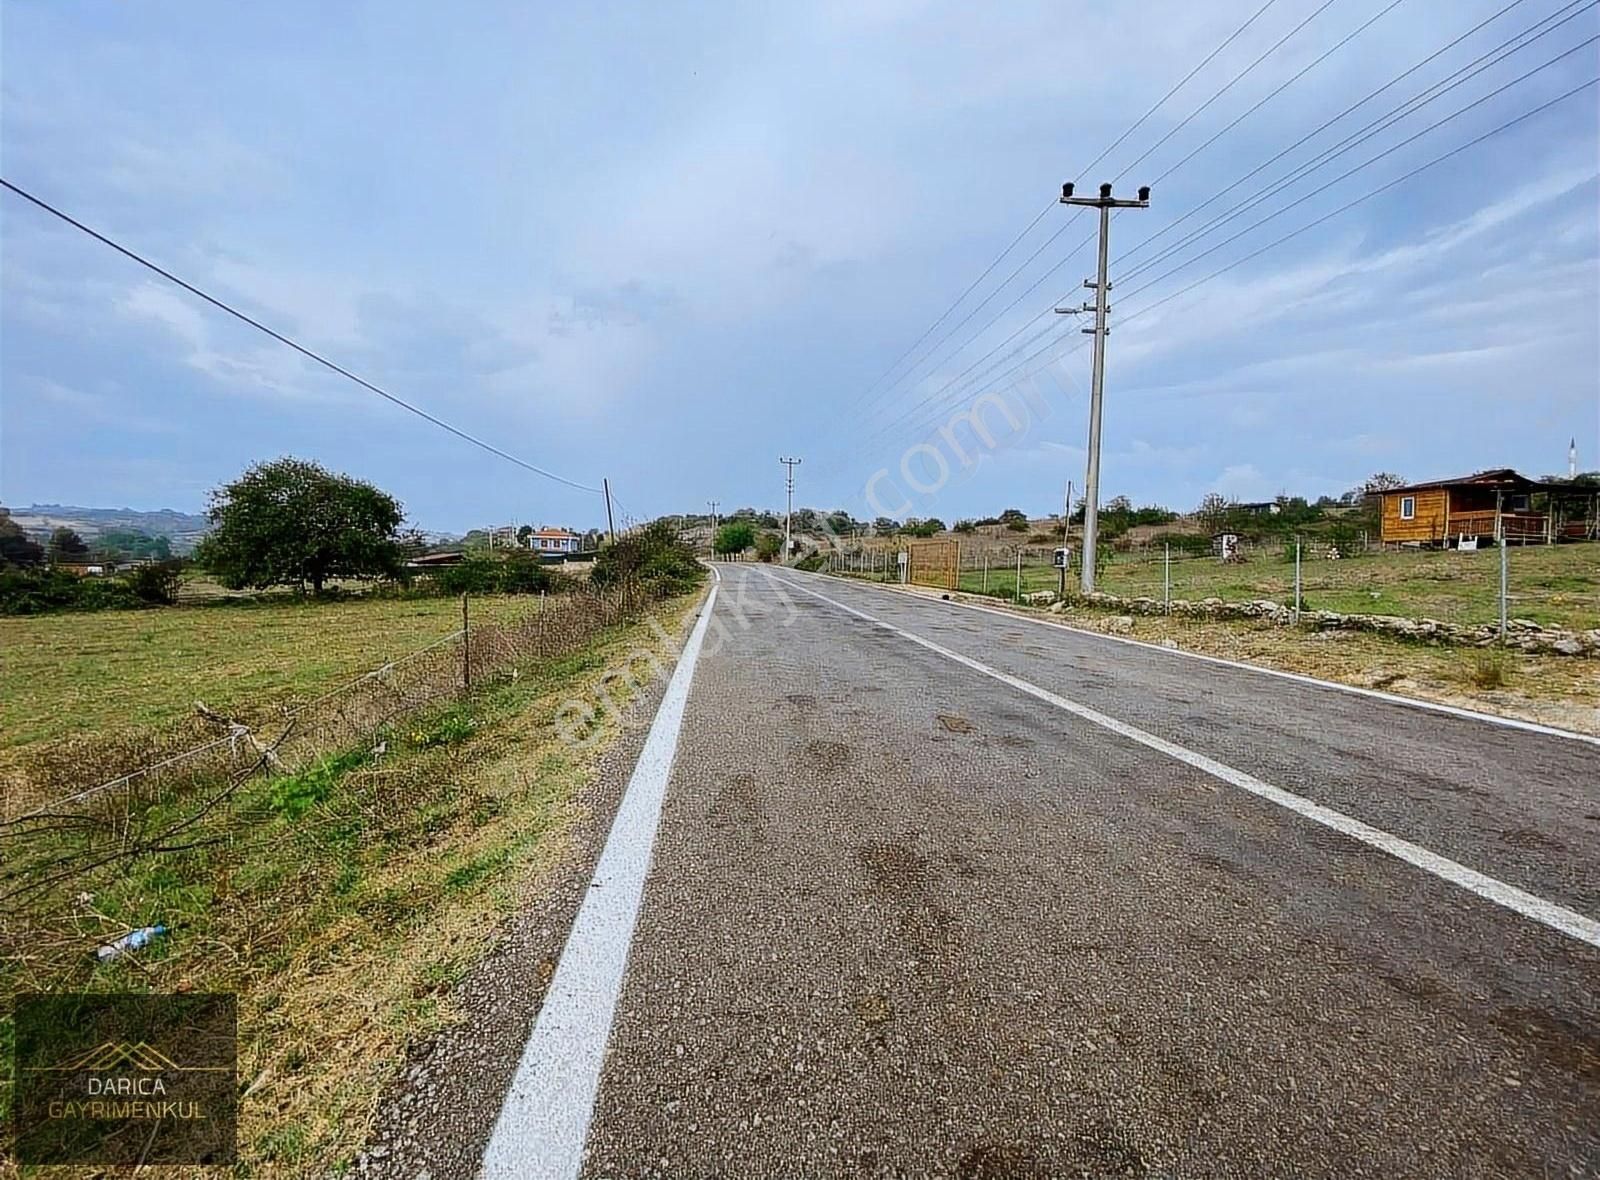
(66, 545)
(16, 547)
(1383, 481)
(885, 527)
(1212, 512)
(768, 545)
(1013, 514)
(289, 522)
(734, 538)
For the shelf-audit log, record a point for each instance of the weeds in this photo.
(1489, 668)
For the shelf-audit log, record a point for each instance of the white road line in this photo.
(1568, 922)
(545, 1119)
(1299, 678)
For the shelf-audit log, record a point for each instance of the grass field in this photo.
(342, 902)
(69, 674)
(1555, 586)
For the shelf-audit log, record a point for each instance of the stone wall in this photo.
(1522, 634)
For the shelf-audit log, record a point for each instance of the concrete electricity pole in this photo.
(713, 504)
(788, 515)
(1102, 287)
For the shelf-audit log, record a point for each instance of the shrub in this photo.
(654, 557)
(811, 564)
(523, 573)
(157, 582)
(1197, 544)
(1490, 668)
(474, 574)
(39, 591)
(768, 546)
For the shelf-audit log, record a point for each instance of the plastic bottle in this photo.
(129, 942)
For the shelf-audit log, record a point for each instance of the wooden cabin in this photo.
(1487, 506)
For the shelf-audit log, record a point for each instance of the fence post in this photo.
(1166, 581)
(1019, 573)
(466, 648)
(1502, 590)
(1297, 579)
(986, 573)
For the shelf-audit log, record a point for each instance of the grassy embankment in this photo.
(342, 902)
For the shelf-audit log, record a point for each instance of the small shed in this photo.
(1489, 505)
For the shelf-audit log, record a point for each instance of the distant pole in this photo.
(713, 504)
(986, 573)
(1166, 592)
(1502, 590)
(611, 523)
(1019, 573)
(466, 648)
(1102, 287)
(1297, 579)
(788, 515)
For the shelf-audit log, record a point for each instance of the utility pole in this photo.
(611, 523)
(788, 515)
(713, 504)
(1102, 287)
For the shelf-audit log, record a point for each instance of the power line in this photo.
(282, 339)
(940, 393)
(1041, 214)
(1312, 134)
(1233, 36)
(1370, 131)
(1292, 79)
(1038, 217)
(1232, 82)
(1364, 164)
(1353, 140)
(1362, 199)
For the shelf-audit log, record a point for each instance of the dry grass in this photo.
(341, 902)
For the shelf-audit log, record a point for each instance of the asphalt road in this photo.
(905, 917)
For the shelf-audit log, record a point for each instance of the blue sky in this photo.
(667, 246)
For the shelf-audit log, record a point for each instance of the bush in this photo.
(1194, 544)
(768, 545)
(811, 564)
(40, 591)
(474, 574)
(654, 557)
(523, 573)
(157, 582)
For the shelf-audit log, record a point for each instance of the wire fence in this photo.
(1552, 585)
(85, 804)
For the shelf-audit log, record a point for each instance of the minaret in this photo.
(1572, 459)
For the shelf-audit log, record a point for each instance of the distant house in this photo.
(433, 561)
(554, 541)
(1259, 508)
(1490, 505)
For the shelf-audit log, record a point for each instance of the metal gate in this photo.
(936, 563)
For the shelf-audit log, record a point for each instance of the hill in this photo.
(183, 529)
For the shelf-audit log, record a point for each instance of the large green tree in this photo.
(292, 522)
(735, 537)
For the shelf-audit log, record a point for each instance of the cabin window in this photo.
(1408, 507)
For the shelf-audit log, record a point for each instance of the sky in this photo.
(665, 245)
